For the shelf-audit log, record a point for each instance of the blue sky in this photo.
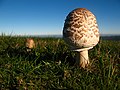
(38, 17)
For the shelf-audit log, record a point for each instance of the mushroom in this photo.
(30, 44)
(81, 32)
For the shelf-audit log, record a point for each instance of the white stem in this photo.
(82, 58)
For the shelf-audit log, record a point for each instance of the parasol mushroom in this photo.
(81, 32)
(30, 44)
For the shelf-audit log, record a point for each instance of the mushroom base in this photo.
(82, 58)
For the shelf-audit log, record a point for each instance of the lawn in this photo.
(50, 65)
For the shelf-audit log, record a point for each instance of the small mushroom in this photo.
(81, 32)
(30, 44)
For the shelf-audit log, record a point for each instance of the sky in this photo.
(46, 17)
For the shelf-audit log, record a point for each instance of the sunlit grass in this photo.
(51, 65)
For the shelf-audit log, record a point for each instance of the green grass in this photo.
(40, 69)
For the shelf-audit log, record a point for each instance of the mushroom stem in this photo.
(82, 58)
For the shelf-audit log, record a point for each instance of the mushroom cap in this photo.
(30, 43)
(80, 29)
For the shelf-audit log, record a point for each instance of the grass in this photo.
(41, 69)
